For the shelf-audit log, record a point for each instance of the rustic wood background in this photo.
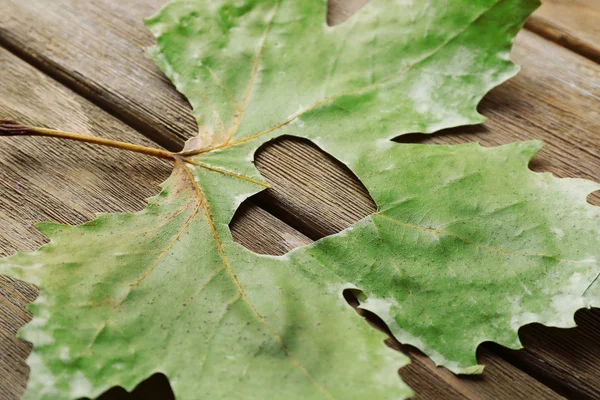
(79, 65)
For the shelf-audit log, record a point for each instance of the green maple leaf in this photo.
(467, 245)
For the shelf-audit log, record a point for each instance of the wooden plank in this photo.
(97, 49)
(51, 180)
(571, 23)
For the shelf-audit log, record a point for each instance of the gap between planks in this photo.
(554, 33)
(570, 23)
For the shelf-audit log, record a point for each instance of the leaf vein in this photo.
(328, 99)
(149, 269)
(211, 224)
(261, 46)
(482, 246)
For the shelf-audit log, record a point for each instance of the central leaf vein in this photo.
(238, 285)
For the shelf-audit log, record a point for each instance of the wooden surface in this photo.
(571, 23)
(81, 67)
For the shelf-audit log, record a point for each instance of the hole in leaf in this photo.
(540, 164)
(458, 135)
(311, 192)
(543, 162)
(594, 198)
(339, 11)
(154, 388)
(263, 233)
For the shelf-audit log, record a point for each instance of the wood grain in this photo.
(97, 48)
(14, 297)
(571, 23)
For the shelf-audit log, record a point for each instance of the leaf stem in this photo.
(12, 128)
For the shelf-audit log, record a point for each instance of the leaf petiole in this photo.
(12, 128)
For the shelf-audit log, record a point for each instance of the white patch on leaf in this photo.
(383, 144)
(526, 289)
(503, 55)
(79, 386)
(35, 331)
(421, 94)
(298, 122)
(558, 232)
(462, 60)
(42, 381)
(63, 354)
(569, 301)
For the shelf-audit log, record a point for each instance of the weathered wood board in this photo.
(571, 23)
